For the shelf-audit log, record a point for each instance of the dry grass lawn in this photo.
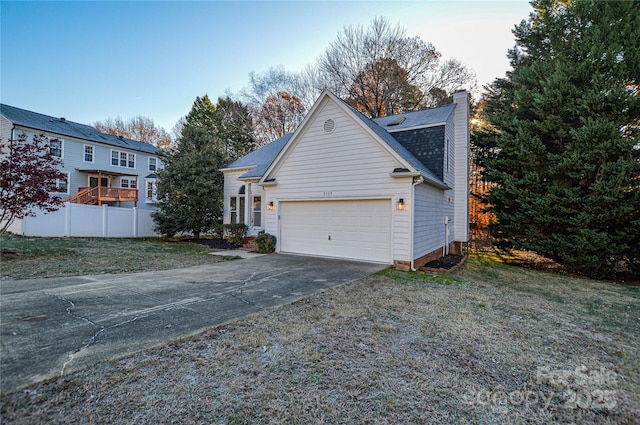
(50, 257)
(489, 344)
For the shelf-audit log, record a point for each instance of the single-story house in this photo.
(392, 190)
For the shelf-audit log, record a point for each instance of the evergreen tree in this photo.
(233, 128)
(190, 186)
(563, 146)
(202, 114)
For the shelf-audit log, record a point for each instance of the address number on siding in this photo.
(327, 194)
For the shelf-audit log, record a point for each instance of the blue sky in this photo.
(89, 60)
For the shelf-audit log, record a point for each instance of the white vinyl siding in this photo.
(431, 208)
(359, 230)
(347, 164)
(461, 168)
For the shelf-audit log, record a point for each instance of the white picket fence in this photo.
(88, 220)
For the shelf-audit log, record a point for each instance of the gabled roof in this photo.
(416, 119)
(63, 127)
(260, 159)
(398, 148)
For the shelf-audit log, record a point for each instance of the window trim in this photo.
(56, 139)
(150, 184)
(84, 153)
(130, 183)
(255, 211)
(233, 209)
(67, 180)
(155, 166)
(123, 156)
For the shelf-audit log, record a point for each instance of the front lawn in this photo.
(51, 257)
(490, 343)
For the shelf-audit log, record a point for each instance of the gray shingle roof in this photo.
(261, 158)
(417, 118)
(397, 147)
(45, 123)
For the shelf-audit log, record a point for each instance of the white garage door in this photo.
(359, 230)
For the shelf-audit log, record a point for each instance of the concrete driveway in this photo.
(50, 327)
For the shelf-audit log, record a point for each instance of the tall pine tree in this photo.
(190, 187)
(563, 150)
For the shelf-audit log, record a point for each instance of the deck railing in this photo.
(98, 195)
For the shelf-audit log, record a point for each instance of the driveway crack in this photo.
(93, 339)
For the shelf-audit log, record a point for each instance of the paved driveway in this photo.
(50, 327)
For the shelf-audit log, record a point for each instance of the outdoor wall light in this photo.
(401, 205)
(271, 206)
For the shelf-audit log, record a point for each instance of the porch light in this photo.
(271, 206)
(401, 205)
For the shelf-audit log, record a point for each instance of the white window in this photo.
(257, 211)
(62, 185)
(151, 195)
(89, 153)
(128, 183)
(153, 164)
(233, 209)
(123, 159)
(55, 147)
(236, 208)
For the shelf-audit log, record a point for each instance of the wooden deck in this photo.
(98, 195)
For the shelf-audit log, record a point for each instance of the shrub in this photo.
(235, 233)
(266, 243)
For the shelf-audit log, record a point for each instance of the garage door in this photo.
(359, 230)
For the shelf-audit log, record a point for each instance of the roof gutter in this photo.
(433, 182)
(248, 167)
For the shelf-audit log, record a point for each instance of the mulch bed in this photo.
(448, 262)
(218, 243)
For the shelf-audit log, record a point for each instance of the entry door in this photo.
(359, 230)
(93, 182)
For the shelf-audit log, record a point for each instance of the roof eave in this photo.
(434, 182)
(400, 174)
(248, 168)
(268, 183)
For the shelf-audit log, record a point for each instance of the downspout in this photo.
(416, 181)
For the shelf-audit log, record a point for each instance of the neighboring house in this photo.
(392, 190)
(101, 169)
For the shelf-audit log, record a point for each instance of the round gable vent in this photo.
(329, 126)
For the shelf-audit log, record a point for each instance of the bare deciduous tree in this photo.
(138, 128)
(380, 70)
(279, 114)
